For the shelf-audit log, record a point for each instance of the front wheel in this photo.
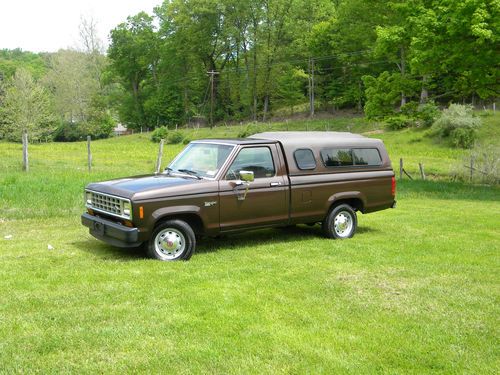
(341, 222)
(172, 240)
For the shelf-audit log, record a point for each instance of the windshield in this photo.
(201, 159)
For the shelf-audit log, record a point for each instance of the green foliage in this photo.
(26, 107)
(382, 94)
(175, 137)
(248, 130)
(463, 137)
(459, 123)
(399, 122)
(427, 113)
(421, 114)
(71, 132)
(11, 60)
(159, 134)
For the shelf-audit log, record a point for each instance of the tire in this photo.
(341, 222)
(172, 240)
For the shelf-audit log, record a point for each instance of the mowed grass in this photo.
(415, 291)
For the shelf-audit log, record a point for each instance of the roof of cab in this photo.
(234, 141)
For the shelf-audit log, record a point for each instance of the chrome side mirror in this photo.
(247, 176)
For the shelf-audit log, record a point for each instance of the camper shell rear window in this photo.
(348, 157)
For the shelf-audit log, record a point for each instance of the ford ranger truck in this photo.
(221, 186)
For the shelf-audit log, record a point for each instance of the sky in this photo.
(49, 25)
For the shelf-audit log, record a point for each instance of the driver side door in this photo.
(266, 202)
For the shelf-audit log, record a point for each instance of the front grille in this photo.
(106, 203)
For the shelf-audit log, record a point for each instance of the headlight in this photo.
(88, 198)
(127, 209)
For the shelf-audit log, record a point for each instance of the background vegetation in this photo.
(388, 58)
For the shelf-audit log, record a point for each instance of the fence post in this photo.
(25, 151)
(89, 153)
(422, 173)
(400, 168)
(160, 155)
(471, 167)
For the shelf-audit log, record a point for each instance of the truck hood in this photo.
(152, 186)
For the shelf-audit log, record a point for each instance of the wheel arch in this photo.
(355, 199)
(188, 214)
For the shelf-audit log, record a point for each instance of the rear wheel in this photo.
(172, 240)
(341, 222)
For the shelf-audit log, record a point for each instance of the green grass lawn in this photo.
(415, 291)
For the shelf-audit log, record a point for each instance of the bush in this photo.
(399, 122)
(72, 132)
(459, 123)
(427, 113)
(159, 134)
(174, 137)
(463, 137)
(186, 140)
(486, 165)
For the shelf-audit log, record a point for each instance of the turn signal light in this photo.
(90, 211)
(393, 186)
(141, 212)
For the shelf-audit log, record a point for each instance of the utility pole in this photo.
(212, 73)
(311, 86)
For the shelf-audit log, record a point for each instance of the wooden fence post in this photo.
(25, 151)
(471, 167)
(400, 168)
(89, 153)
(160, 155)
(422, 173)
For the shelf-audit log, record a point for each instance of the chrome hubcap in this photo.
(170, 243)
(343, 224)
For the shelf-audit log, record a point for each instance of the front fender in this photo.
(174, 210)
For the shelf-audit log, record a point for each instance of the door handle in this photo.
(275, 184)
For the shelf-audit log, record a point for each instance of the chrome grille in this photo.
(106, 203)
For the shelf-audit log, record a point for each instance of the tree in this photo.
(26, 107)
(134, 56)
(291, 87)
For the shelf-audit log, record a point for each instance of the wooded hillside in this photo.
(233, 60)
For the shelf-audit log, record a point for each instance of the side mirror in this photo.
(247, 176)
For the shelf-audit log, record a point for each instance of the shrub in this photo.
(159, 134)
(399, 122)
(71, 132)
(456, 117)
(463, 137)
(486, 164)
(186, 140)
(427, 113)
(174, 137)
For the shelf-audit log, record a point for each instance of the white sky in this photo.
(48, 25)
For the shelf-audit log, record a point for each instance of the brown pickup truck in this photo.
(218, 186)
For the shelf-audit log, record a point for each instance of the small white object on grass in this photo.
(8, 237)
(50, 247)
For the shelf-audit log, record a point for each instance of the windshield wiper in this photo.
(190, 172)
(168, 170)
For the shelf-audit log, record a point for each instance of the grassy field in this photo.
(415, 291)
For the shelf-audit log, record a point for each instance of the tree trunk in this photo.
(266, 107)
(424, 94)
(403, 75)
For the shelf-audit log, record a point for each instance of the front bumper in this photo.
(111, 232)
